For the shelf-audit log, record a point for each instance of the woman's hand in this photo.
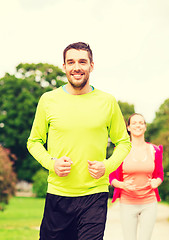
(128, 185)
(155, 182)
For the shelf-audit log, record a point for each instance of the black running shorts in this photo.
(74, 218)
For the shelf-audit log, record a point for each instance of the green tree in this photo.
(127, 109)
(158, 130)
(40, 183)
(163, 139)
(158, 133)
(43, 73)
(18, 102)
(160, 123)
(164, 187)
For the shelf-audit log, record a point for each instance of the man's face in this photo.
(77, 67)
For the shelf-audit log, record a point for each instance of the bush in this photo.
(7, 177)
(40, 183)
(111, 190)
(164, 187)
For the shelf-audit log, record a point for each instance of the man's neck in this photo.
(78, 91)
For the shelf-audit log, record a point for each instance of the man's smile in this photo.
(77, 75)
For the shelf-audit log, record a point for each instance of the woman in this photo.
(136, 182)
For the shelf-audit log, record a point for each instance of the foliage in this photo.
(7, 177)
(161, 122)
(158, 133)
(163, 114)
(163, 139)
(126, 109)
(19, 97)
(18, 103)
(111, 190)
(164, 187)
(40, 183)
(43, 73)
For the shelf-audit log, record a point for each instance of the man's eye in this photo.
(70, 63)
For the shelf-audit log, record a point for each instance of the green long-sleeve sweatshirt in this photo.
(78, 126)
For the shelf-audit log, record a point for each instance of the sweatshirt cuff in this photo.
(106, 163)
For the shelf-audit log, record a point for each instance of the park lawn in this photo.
(21, 219)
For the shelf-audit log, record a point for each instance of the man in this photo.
(78, 120)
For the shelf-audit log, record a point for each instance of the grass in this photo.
(21, 219)
(166, 203)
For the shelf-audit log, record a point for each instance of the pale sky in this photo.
(129, 40)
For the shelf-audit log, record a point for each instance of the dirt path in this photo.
(113, 228)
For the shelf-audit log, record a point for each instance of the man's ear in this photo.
(91, 66)
(64, 68)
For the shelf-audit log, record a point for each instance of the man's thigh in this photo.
(91, 218)
(58, 219)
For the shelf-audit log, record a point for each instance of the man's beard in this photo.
(79, 86)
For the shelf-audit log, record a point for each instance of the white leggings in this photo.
(138, 220)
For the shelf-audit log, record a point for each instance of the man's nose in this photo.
(76, 66)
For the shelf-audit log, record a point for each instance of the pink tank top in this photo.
(140, 172)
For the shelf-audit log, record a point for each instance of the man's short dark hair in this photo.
(79, 46)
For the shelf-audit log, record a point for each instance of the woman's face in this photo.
(137, 126)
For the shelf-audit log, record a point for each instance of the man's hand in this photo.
(96, 169)
(62, 166)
